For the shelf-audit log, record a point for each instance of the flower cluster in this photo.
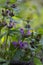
(27, 34)
(33, 40)
(20, 44)
(4, 23)
(7, 12)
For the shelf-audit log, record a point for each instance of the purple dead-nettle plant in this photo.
(20, 39)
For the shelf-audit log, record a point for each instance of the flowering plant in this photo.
(17, 42)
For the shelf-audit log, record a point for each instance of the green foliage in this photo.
(37, 61)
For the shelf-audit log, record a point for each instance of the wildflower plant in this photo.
(19, 43)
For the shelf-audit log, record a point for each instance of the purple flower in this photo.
(21, 44)
(14, 43)
(28, 32)
(7, 11)
(25, 45)
(13, 5)
(22, 31)
(10, 25)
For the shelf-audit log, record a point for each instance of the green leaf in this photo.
(13, 1)
(1, 59)
(37, 61)
(2, 1)
(3, 35)
(40, 30)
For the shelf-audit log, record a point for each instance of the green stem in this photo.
(6, 41)
(6, 45)
(0, 38)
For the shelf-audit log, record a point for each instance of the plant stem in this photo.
(0, 39)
